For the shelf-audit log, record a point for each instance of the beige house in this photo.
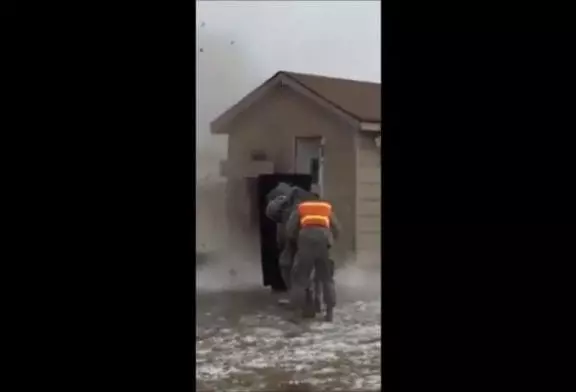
(325, 127)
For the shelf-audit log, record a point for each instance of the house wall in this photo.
(369, 196)
(271, 125)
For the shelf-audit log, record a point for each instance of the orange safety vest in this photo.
(315, 213)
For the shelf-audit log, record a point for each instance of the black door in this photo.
(269, 252)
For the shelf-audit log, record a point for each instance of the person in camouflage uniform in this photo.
(312, 262)
(278, 210)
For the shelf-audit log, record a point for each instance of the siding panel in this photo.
(369, 175)
(369, 190)
(370, 223)
(369, 241)
(369, 195)
(369, 208)
(369, 159)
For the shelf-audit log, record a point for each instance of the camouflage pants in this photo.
(313, 268)
(286, 261)
(319, 287)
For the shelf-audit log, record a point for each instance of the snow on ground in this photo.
(265, 352)
(246, 343)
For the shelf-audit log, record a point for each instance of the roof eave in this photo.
(219, 125)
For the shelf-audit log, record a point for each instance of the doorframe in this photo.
(321, 166)
(321, 158)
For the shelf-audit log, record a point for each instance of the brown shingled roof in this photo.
(361, 100)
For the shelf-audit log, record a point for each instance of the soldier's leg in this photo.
(332, 284)
(309, 311)
(312, 295)
(317, 294)
(301, 281)
(285, 262)
(325, 268)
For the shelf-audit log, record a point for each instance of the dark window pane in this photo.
(314, 170)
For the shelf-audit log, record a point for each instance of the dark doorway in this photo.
(269, 251)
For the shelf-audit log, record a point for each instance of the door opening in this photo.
(309, 159)
(269, 252)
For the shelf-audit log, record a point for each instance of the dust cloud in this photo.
(360, 276)
(224, 271)
(211, 228)
(222, 79)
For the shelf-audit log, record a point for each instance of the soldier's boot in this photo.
(308, 311)
(329, 314)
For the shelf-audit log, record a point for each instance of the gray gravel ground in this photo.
(245, 342)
